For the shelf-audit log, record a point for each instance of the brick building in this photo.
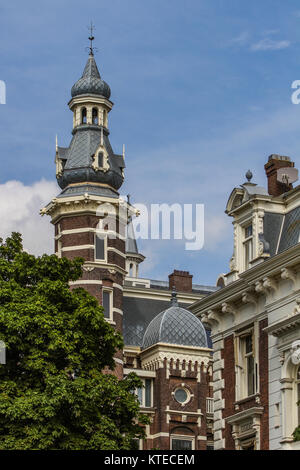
(254, 317)
(165, 344)
(249, 399)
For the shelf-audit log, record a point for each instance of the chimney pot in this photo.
(181, 280)
(275, 187)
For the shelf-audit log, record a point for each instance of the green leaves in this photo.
(53, 394)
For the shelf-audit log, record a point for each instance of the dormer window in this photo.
(83, 116)
(95, 116)
(248, 245)
(100, 159)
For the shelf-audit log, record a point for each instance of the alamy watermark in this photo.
(2, 92)
(154, 222)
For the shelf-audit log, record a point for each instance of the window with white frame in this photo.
(246, 365)
(100, 247)
(248, 245)
(107, 303)
(182, 443)
(182, 395)
(145, 393)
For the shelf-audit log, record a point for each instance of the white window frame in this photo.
(180, 437)
(111, 300)
(241, 365)
(143, 402)
(247, 242)
(188, 394)
(104, 235)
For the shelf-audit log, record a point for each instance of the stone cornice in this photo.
(154, 356)
(281, 327)
(234, 291)
(112, 268)
(255, 199)
(86, 203)
(246, 414)
(151, 293)
(94, 99)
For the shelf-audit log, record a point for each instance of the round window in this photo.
(181, 395)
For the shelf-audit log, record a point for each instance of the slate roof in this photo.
(282, 231)
(78, 158)
(176, 325)
(89, 189)
(91, 81)
(138, 313)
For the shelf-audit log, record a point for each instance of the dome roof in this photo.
(175, 325)
(91, 82)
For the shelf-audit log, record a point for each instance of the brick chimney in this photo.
(181, 280)
(275, 188)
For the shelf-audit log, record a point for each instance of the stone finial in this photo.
(249, 175)
(174, 300)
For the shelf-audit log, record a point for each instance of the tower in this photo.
(133, 257)
(88, 215)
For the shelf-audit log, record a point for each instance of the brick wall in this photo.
(229, 390)
(264, 383)
(96, 272)
(181, 280)
(276, 188)
(247, 403)
(163, 398)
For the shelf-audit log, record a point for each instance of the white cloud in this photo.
(19, 212)
(268, 44)
(239, 40)
(264, 44)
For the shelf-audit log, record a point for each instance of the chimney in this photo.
(181, 280)
(276, 188)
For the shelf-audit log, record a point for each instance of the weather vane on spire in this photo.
(91, 38)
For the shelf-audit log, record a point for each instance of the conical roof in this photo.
(91, 81)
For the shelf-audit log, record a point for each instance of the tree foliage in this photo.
(53, 394)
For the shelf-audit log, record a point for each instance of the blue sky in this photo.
(202, 92)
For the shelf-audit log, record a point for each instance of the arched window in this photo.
(83, 116)
(182, 438)
(95, 116)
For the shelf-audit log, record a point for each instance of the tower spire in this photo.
(91, 38)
